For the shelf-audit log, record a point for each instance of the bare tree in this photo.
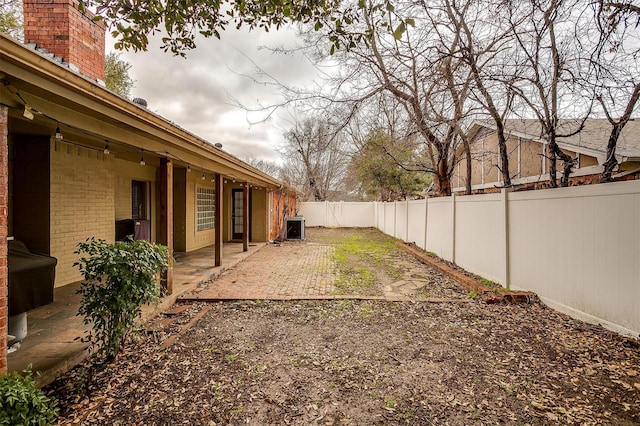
(552, 61)
(412, 61)
(617, 61)
(485, 43)
(315, 158)
(269, 167)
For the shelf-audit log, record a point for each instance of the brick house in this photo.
(528, 164)
(77, 160)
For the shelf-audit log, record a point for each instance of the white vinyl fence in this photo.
(578, 248)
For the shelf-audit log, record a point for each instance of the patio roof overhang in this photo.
(89, 115)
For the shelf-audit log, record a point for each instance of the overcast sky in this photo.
(196, 93)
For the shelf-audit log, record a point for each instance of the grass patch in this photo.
(492, 285)
(361, 258)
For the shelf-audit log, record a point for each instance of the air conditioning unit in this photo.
(295, 228)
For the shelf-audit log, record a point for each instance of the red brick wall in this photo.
(284, 206)
(4, 195)
(59, 27)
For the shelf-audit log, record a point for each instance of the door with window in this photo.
(141, 210)
(236, 214)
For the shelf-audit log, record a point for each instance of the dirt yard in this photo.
(333, 362)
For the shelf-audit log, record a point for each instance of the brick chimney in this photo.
(60, 28)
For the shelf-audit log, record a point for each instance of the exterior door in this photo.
(139, 203)
(236, 214)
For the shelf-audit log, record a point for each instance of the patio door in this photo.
(236, 214)
(141, 210)
(139, 200)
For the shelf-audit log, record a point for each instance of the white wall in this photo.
(578, 248)
(338, 214)
(440, 227)
(401, 220)
(417, 222)
(480, 237)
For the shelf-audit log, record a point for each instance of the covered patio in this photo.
(78, 161)
(54, 344)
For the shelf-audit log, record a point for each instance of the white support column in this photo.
(375, 214)
(507, 248)
(426, 221)
(453, 226)
(326, 214)
(395, 219)
(384, 218)
(406, 234)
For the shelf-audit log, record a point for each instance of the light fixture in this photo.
(28, 112)
(106, 148)
(58, 133)
(225, 181)
(142, 162)
(202, 177)
(213, 178)
(188, 168)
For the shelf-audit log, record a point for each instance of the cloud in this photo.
(198, 93)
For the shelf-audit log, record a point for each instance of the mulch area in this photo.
(331, 362)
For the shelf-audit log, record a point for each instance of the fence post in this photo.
(453, 226)
(507, 248)
(406, 234)
(375, 214)
(426, 220)
(395, 218)
(326, 214)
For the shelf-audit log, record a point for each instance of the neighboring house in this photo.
(528, 160)
(76, 158)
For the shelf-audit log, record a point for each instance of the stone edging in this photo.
(487, 294)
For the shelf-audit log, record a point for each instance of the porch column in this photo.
(245, 216)
(165, 233)
(4, 196)
(218, 219)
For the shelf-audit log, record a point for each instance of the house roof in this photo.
(591, 140)
(94, 113)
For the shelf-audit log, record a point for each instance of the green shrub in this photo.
(22, 403)
(119, 279)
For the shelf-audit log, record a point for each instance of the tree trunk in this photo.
(467, 153)
(552, 163)
(616, 130)
(443, 179)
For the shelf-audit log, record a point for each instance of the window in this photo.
(205, 208)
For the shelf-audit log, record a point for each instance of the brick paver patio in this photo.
(292, 270)
(302, 271)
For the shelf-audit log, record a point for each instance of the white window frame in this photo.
(205, 208)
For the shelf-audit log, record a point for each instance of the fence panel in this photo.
(389, 218)
(338, 214)
(334, 215)
(579, 250)
(401, 220)
(440, 227)
(358, 215)
(480, 236)
(417, 222)
(315, 213)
